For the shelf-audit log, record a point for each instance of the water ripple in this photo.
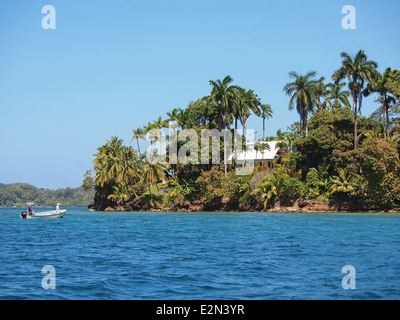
(199, 256)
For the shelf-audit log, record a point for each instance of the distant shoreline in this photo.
(20, 194)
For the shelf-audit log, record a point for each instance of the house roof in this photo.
(252, 154)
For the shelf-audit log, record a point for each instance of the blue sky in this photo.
(112, 66)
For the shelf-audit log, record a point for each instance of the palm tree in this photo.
(120, 194)
(138, 135)
(207, 110)
(321, 93)
(374, 133)
(282, 137)
(224, 95)
(148, 131)
(303, 93)
(271, 187)
(244, 102)
(172, 118)
(116, 165)
(337, 97)
(358, 70)
(159, 124)
(380, 87)
(173, 114)
(261, 147)
(106, 162)
(128, 172)
(247, 101)
(181, 189)
(154, 172)
(341, 183)
(266, 113)
(184, 118)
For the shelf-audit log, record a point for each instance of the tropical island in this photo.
(333, 159)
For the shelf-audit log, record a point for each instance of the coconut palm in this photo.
(374, 133)
(154, 172)
(207, 112)
(321, 91)
(181, 189)
(159, 124)
(303, 95)
(261, 147)
(172, 119)
(128, 170)
(283, 139)
(148, 131)
(138, 135)
(224, 95)
(247, 101)
(173, 114)
(380, 87)
(341, 183)
(358, 70)
(106, 162)
(120, 194)
(271, 187)
(184, 118)
(337, 97)
(266, 113)
(244, 102)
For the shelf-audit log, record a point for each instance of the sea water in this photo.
(205, 256)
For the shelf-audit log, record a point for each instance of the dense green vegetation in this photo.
(333, 153)
(19, 194)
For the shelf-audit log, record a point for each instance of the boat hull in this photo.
(44, 215)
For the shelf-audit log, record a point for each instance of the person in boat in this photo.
(30, 211)
(58, 208)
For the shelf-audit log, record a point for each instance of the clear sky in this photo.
(112, 66)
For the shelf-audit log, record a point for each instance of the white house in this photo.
(261, 157)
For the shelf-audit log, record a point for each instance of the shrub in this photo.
(380, 164)
(293, 188)
(313, 183)
(213, 184)
(258, 178)
(210, 184)
(271, 188)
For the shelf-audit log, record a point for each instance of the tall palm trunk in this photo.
(245, 140)
(225, 164)
(354, 96)
(224, 127)
(387, 119)
(304, 120)
(264, 129)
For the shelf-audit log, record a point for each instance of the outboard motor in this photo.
(23, 215)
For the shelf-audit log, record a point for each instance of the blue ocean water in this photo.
(178, 256)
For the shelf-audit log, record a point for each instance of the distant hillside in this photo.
(18, 194)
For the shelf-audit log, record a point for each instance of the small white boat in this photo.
(44, 215)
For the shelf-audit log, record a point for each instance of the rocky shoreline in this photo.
(233, 205)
